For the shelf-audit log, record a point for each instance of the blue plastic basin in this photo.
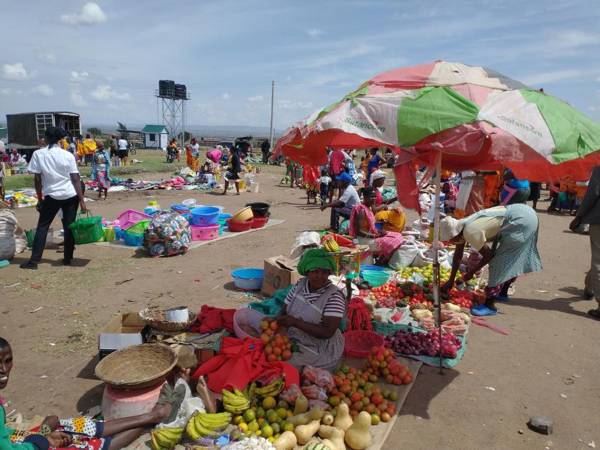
(204, 215)
(248, 278)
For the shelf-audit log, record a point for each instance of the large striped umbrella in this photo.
(477, 118)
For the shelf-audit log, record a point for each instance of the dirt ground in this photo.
(548, 364)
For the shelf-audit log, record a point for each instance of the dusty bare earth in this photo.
(549, 364)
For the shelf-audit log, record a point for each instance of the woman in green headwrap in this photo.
(313, 311)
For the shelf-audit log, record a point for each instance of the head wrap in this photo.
(450, 228)
(376, 175)
(345, 177)
(315, 258)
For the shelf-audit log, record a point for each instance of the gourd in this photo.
(304, 418)
(343, 421)
(333, 435)
(287, 441)
(301, 405)
(305, 432)
(327, 419)
(357, 436)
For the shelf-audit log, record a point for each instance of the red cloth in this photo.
(311, 175)
(406, 186)
(338, 160)
(213, 319)
(239, 363)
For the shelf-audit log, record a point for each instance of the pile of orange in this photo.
(277, 346)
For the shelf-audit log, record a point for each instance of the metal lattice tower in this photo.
(172, 108)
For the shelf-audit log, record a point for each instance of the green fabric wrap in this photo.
(315, 258)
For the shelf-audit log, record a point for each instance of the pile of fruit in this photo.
(428, 344)
(277, 346)
(463, 298)
(394, 294)
(206, 425)
(383, 363)
(425, 272)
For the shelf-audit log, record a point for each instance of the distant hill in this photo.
(217, 131)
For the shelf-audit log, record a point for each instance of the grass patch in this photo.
(152, 161)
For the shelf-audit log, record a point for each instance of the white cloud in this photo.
(288, 104)
(5, 91)
(104, 92)
(78, 77)
(14, 71)
(90, 14)
(256, 98)
(226, 96)
(44, 89)
(76, 98)
(576, 38)
(49, 58)
(314, 32)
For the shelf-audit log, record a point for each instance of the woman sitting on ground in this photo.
(362, 227)
(512, 232)
(314, 308)
(83, 432)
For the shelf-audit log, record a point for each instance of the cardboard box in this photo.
(121, 331)
(280, 272)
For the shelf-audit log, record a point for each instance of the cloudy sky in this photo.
(104, 59)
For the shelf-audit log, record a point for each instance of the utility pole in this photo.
(272, 103)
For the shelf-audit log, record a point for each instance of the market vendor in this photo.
(83, 432)
(376, 182)
(506, 237)
(362, 227)
(314, 309)
(343, 206)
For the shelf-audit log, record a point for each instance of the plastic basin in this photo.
(133, 239)
(131, 217)
(206, 233)
(375, 277)
(204, 215)
(259, 209)
(239, 226)
(248, 278)
(246, 323)
(259, 222)
(180, 208)
(243, 215)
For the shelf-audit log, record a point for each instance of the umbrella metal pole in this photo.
(436, 245)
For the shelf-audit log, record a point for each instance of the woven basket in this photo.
(156, 318)
(137, 367)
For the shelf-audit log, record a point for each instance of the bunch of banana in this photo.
(330, 244)
(166, 438)
(206, 425)
(270, 390)
(235, 402)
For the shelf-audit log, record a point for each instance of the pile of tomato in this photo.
(462, 298)
(393, 294)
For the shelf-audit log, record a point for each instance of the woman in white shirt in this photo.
(58, 187)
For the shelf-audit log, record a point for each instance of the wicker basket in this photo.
(156, 318)
(137, 367)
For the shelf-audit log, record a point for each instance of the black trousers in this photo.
(48, 211)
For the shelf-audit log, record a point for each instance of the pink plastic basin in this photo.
(119, 403)
(206, 233)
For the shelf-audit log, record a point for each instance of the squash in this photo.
(343, 421)
(327, 419)
(333, 435)
(304, 418)
(357, 436)
(287, 441)
(330, 445)
(305, 432)
(301, 405)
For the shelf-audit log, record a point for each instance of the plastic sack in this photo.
(306, 239)
(320, 404)
(8, 223)
(425, 257)
(320, 377)
(405, 255)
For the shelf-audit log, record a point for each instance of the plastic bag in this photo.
(8, 223)
(320, 377)
(290, 394)
(405, 255)
(188, 407)
(314, 392)
(425, 257)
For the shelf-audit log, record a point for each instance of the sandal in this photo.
(595, 313)
(171, 396)
(483, 310)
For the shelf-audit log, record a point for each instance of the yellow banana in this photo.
(191, 430)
